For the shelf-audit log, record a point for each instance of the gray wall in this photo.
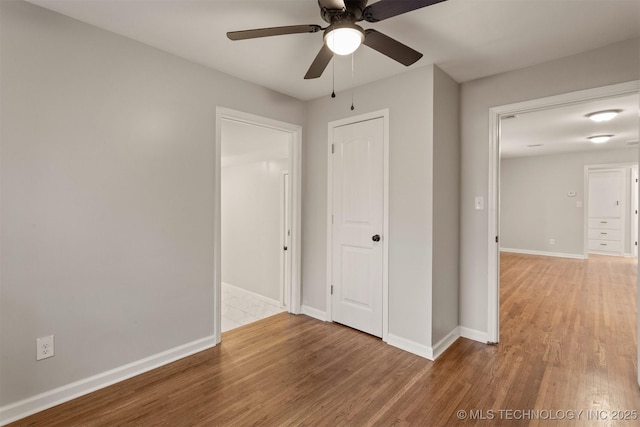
(107, 172)
(616, 63)
(251, 225)
(446, 204)
(534, 206)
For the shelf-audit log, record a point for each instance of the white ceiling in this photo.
(467, 38)
(566, 129)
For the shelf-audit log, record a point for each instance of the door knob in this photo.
(376, 238)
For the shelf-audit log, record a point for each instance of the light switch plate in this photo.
(479, 203)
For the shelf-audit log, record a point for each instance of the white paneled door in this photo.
(357, 229)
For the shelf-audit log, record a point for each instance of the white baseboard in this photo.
(474, 335)
(315, 313)
(15, 411)
(445, 342)
(410, 346)
(263, 298)
(543, 253)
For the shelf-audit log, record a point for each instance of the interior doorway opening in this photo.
(257, 262)
(498, 116)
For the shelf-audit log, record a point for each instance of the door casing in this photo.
(384, 114)
(285, 238)
(634, 211)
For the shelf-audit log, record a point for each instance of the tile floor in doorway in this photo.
(240, 307)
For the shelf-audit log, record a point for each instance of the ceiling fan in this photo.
(343, 36)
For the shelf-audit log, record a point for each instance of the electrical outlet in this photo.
(44, 347)
(552, 241)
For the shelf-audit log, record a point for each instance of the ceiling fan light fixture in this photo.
(600, 139)
(603, 116)
(344, 39)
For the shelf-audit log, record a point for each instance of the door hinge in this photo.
(331, 289)
(333, 148)
(496, 239)
(331, 219)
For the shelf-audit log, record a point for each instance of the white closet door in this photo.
(605, 194)
(358, 215)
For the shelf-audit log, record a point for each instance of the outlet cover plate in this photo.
(44, 347)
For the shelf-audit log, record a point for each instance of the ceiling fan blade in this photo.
(273, 31)
(391, 47)
(332, 4)
(320, 63)
(384, 9)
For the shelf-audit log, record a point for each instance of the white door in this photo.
(358, 215)
(605, 194)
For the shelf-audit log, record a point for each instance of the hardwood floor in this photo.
(568, 343)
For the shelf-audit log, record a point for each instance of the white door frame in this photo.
(295, 179)
(384, 114)
(632, 211)
(285, 288)
(495, 113)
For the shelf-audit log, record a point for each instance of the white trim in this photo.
(632, 212)
(493, 213)
(42, 401)
(384, 114)
(410, 346)
(493, 284)
(543, 253)
(295, 183)
(432, 353)
(254, 295)
(472, 334)
(315, 313)
(446, 342)
(285, 259)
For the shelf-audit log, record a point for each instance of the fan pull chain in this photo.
(352, 73)
(333, 91)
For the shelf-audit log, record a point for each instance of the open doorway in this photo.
(544, 193)
(257, 218)
(255, 162)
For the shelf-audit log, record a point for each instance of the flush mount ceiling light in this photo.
(603, 116)
(599, 139)
(344, 38)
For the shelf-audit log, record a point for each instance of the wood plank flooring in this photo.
(568, 342)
